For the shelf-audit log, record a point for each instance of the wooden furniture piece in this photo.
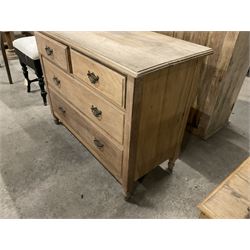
(27, 52)
(231, 199)
(124, 95)
(221, 78)
(9, 37)
(6, 63)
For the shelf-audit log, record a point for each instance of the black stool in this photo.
(27, 52)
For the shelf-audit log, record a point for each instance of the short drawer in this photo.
(101, 147)
(55, 51)
(100, 111)
(103, 79)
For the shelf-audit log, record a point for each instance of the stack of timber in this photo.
(221, 78)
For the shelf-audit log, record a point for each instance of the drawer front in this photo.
(55, 51)
(100, 146)
(103, 113)
(103, 79)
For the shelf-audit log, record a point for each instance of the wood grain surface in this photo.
(231, 199)
(221, 77)
(133, 53)
(111, 120)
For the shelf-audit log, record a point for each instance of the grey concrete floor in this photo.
(44, 170)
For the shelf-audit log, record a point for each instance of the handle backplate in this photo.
(48, 50)
(96, 112)
(92, 77)
(98, 143)
(62, 109)
(56, 80)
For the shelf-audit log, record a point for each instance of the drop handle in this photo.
(98, 143)
(62, 110)
(96, 112)
(48, 50)
(56, 80)
(92, 77)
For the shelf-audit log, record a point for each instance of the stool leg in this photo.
(5, 59)
(41, 85)
(26, 75)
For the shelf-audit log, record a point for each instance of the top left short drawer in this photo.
(53, 50)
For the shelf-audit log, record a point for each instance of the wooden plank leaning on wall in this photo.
(222, 76)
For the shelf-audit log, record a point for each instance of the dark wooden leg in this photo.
(41, 85)
(5, 59)
(39, 73)
(248, 72)
(43, 92)
(26, 75)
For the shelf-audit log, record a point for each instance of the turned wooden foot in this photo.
(127, 196)
(128, 191)
(170, 166)
(56, 121)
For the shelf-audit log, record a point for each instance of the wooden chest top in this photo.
(132, 53)
(231, 199)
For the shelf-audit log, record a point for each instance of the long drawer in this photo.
(53, 50)
(103, 113)
(101, 147)
(106, 81)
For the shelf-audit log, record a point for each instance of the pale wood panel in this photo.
(221, 78)
(111, 120)
(87, 132)
(110, 83)
(231, 199)
(60, 54)
(194, 77)
(231, 81)
(132, 118)
(224, 205)
(165, 103)
(133, 53)
(194, 37)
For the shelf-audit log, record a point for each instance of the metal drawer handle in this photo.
(92, 77)
(62, 110)
(49, 51)
(96, 112)
(56, 80)
(98, 143)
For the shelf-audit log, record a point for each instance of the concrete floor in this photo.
(44, 170)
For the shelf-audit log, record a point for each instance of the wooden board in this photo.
(133, 53)
(231, 199)
(221, 77)
(161, 113)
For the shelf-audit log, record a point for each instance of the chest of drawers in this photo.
(125, 95)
